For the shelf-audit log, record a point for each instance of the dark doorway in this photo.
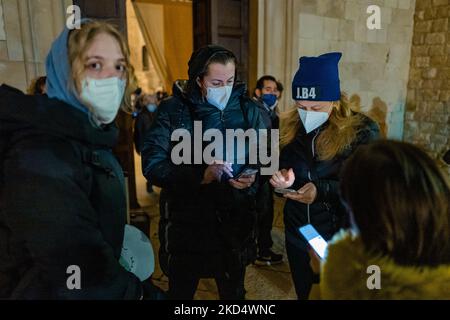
(226, 23)
(113, 11)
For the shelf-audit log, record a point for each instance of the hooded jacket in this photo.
(62, 195)
(201, 224)
(62, 203)
(344, 275)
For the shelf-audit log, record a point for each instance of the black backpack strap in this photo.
(183, 104)
(244, 105)
(244, 102)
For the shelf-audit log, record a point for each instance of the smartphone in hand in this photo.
(314, 239)
(247, 173)
(284, 191)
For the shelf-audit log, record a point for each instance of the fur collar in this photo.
(344, 275)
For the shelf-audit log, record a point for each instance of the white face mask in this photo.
(312, 119)
(104, 96)
(219, 97)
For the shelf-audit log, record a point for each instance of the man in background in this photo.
(267, 92)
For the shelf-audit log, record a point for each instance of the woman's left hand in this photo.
(315, 261)
(307, 194)
(243, 183)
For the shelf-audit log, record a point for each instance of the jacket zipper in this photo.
(309, 172)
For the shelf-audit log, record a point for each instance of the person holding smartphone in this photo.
(400, 227)
(317, 136)
(208, 217)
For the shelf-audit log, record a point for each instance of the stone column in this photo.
(427, 118)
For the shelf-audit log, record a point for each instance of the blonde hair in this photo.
(81, 39)
(343, 127)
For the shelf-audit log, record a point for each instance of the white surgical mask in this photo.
(104, 96)
(312, 119)
(219, 97)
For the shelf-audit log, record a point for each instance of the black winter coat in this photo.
(211, 227)
(326, 214)
(271, 118)
(62, 203)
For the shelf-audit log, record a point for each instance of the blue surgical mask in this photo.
(151, 107)
(269, 99)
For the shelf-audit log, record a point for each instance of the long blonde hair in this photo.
(343, 127)
(79, 42)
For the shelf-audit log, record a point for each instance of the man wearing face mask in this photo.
(317, 136)
(268, 91)
(207, 226)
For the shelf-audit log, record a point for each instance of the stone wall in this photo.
(375, 63)
(427, 118)
(27, 29)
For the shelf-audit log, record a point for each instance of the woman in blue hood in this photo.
(62, 190)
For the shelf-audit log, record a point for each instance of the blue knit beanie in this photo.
(317, 79)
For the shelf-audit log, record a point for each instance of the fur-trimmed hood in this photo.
(344, 275)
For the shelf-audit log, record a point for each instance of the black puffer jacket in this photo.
(62, 203)
(212, 225)
(326, 214)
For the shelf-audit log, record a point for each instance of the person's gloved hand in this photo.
(152, 292)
